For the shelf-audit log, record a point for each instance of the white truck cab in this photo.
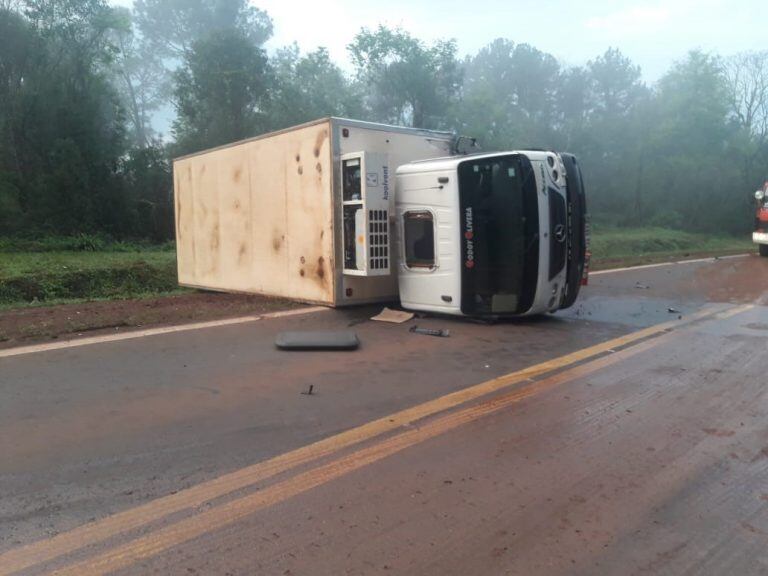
(491, 235)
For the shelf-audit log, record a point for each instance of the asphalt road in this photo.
(618, 437)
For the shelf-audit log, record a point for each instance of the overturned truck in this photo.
(342, 212)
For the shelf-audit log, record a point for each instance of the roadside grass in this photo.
(632, 246)
(45, 278)
(80, 243)
(51, 271)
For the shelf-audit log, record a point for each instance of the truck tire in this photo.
(763, 248)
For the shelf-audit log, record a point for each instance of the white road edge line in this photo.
(77, 342)
(663, 264)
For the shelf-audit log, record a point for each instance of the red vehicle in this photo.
(760, 235)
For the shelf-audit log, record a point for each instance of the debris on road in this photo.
(393, 316)
(326, 340)
(673, 310)
(310, 391)
(431, 332)
(641, 286)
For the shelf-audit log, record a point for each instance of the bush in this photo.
(89, 243)
(127, 281)
(607, 243)
(667, 219)
(81, 243)
(10, 208)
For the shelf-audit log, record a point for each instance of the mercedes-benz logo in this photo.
(560, 233)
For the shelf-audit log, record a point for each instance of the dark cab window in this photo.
(419, 234)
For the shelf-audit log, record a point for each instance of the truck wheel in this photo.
(763, 249)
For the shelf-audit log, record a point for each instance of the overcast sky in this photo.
(652, 33)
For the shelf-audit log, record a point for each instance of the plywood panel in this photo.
(310, 210)
(207, 226)
(267, 163)
(261, 216)
(234, 270)
(185, 230)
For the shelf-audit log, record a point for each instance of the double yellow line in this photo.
(155, 542)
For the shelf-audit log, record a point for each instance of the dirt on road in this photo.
(627, 435)
(36, 324)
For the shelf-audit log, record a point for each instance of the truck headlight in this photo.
(759, 195)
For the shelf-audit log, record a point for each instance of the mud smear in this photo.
(29, 325)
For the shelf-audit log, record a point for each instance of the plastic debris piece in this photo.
(431, 332)
(328, 340)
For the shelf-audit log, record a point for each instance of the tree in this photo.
(220, 92)
(409, 83)
(179, 34)
(309, 87)
(614, 144)
(615, 85)
(695, 162)
(62, 125)
(18, 50)
(693, 97)
(572, 107)
(509, 95)
(148, 185)
(141, 78)
(747, 87)
(173, 27)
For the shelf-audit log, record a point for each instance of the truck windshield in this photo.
(500, 235)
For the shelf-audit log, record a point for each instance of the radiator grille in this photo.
(378, 236)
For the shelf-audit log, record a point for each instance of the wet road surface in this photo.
(615, 438)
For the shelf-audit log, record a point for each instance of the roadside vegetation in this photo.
(86, 186)
(685, 152)
(57, 270)
(68, 270)
(613, 247)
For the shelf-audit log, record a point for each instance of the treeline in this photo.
(80, 82)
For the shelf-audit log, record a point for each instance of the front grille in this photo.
(558, 233)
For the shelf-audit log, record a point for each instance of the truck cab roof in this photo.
(451, 162)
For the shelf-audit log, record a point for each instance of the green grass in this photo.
(79, 243)
(65, 276)
(22, 263)
(635, 245)
(36, 272)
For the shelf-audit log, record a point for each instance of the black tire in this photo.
(763, 248)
